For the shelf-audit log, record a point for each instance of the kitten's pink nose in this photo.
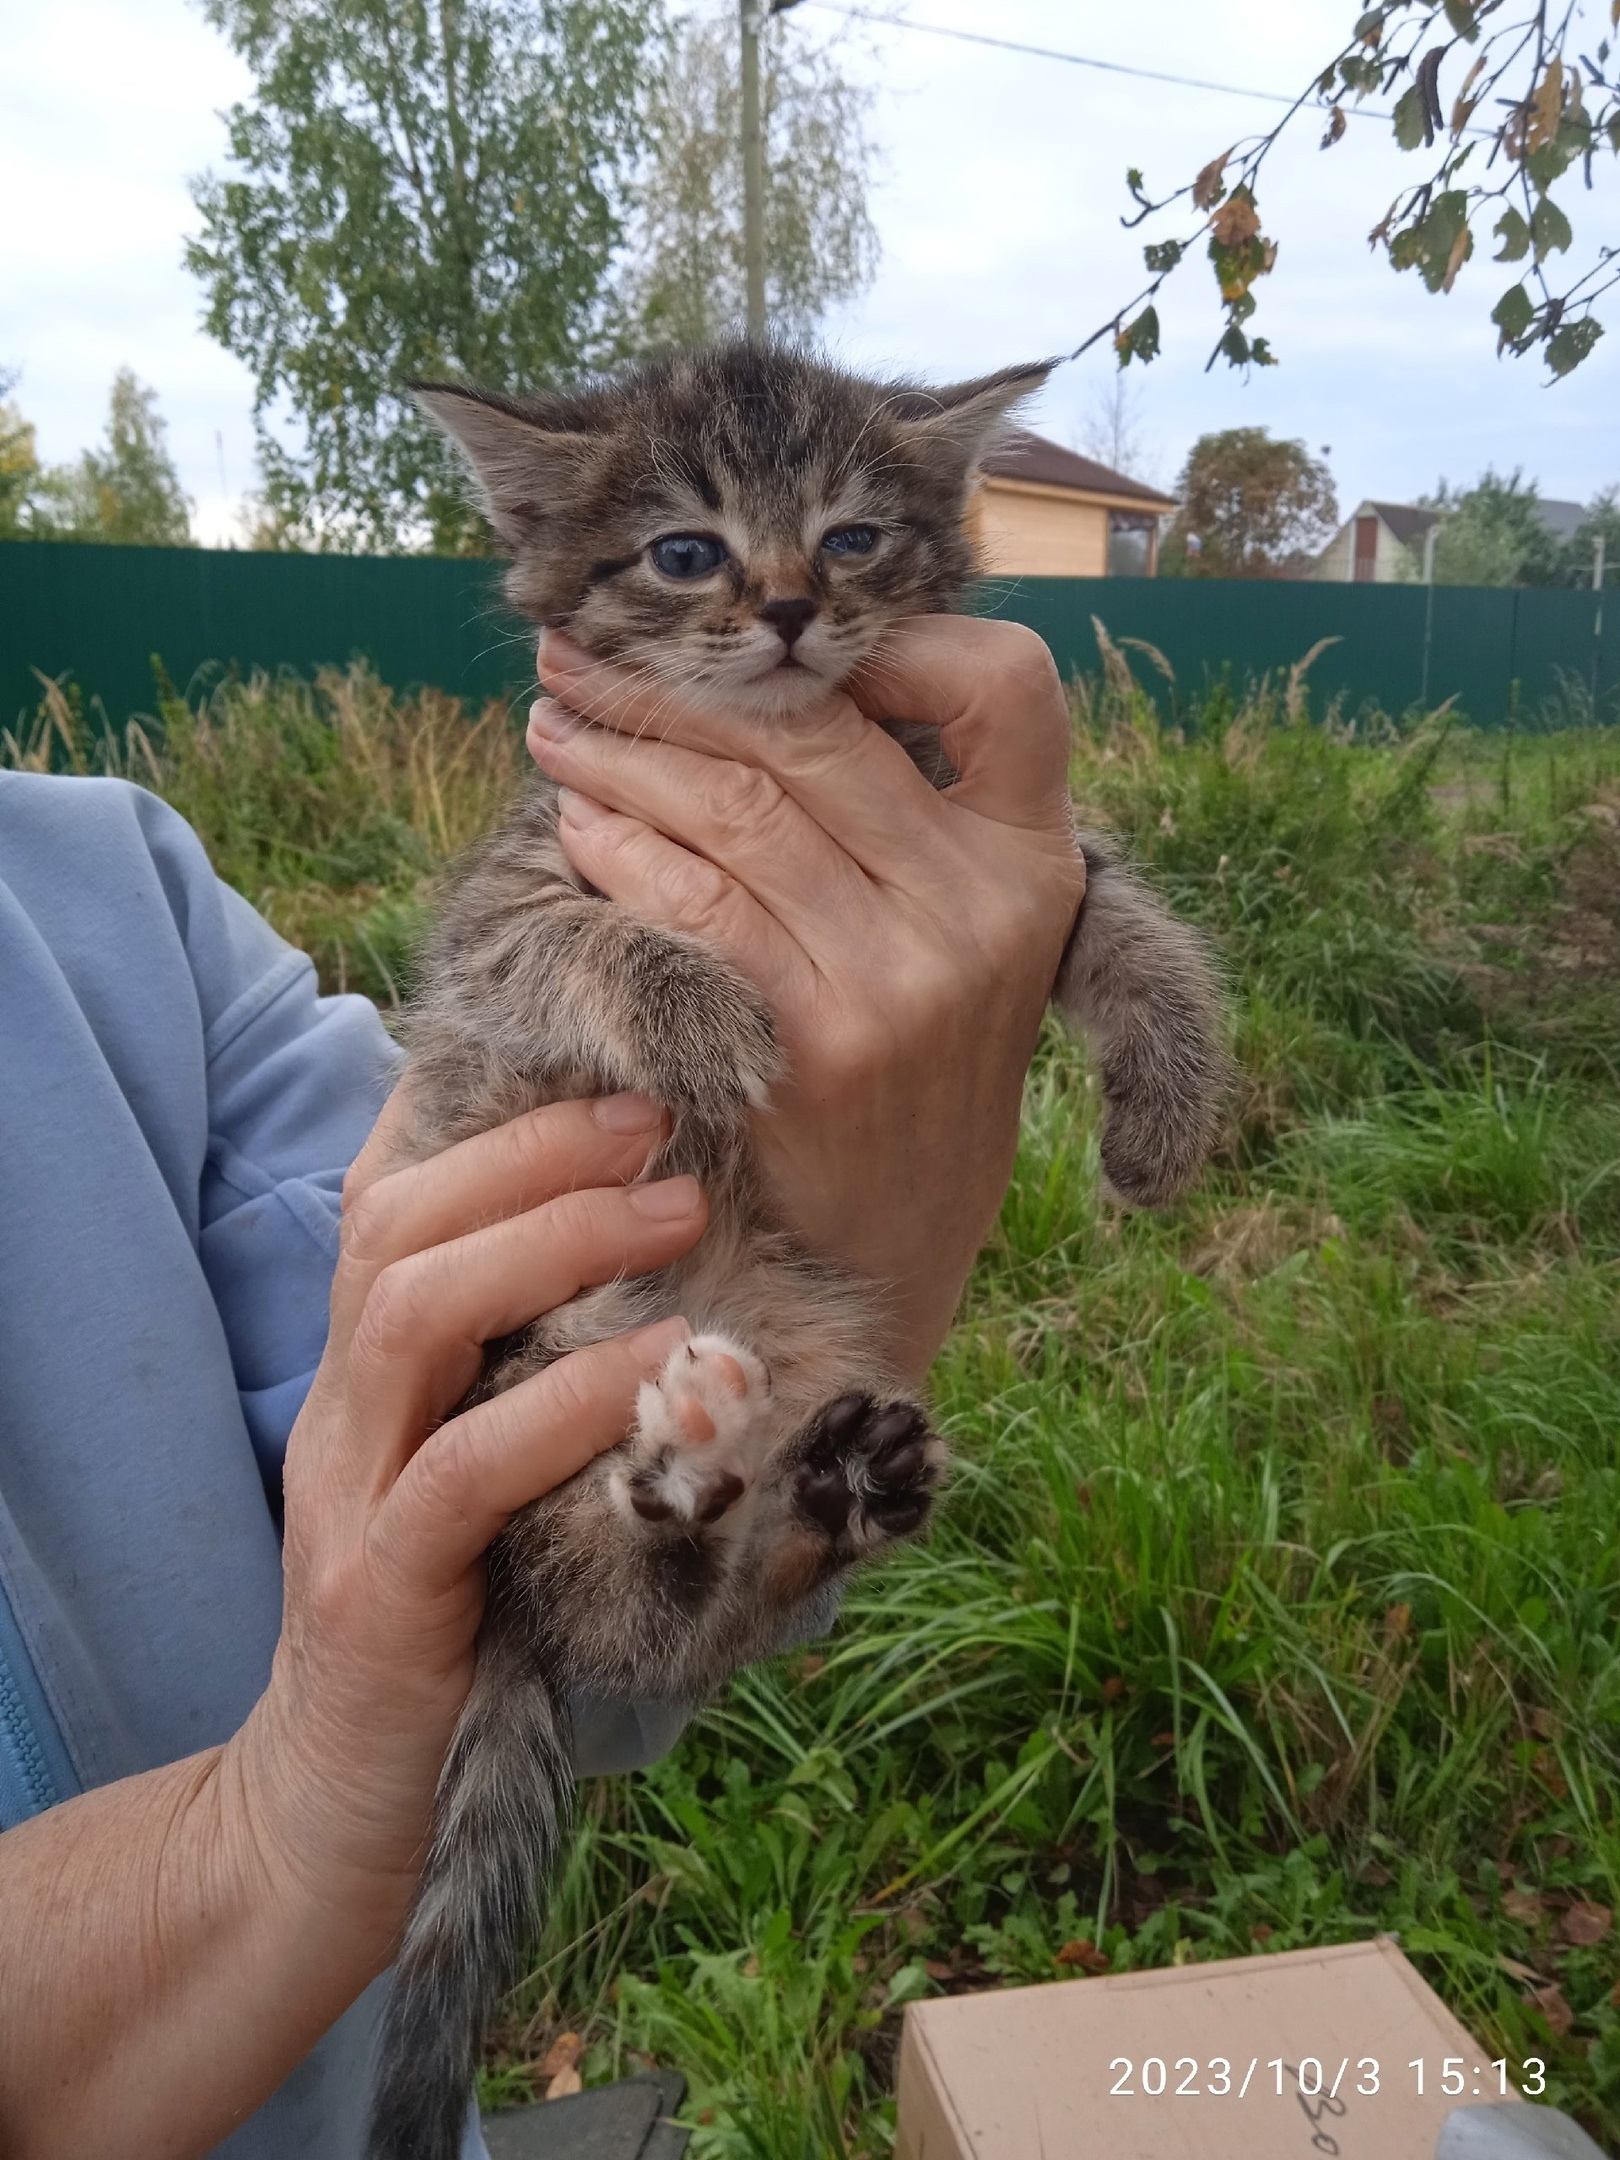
(789, 618)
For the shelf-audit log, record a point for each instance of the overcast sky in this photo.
(998, 199)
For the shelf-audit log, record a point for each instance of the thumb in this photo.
(993, 691)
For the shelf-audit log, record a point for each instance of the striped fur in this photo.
(662, 1567)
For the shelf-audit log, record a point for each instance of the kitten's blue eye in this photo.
(688, 555)
(850, 540)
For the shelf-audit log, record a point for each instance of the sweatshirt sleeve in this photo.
(295, 1082)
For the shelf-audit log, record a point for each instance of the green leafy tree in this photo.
(1249, 506)
(1513, 107)
(1492, 534)
(420, 187)
(1575, 558)
(684, 282)
(127, 491)
(19, 465)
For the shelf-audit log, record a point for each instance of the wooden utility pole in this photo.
(752, 14)
(753, 154)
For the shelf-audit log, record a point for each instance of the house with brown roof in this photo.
(1043, 511)
(1377, 545)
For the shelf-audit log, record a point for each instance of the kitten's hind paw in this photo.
(1151, 1150)
(695, 1446)
(868, 1471)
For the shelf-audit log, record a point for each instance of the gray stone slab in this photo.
(1513, 2133)
(626, 2121)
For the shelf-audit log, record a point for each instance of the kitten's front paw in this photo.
(869, 1470)
(695, 1448)
(691, 1032)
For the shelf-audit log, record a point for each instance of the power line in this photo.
(1070, 59)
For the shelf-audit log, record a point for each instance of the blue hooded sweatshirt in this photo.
(177, 1109)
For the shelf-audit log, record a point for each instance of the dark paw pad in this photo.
(728, 1490)
(659, 1497)
(868, 1469)
(649, 1506)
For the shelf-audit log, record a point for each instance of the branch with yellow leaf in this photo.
(1538, 100)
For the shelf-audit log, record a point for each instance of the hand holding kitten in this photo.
(393, 1494)
(180, 1939)
(905, 939)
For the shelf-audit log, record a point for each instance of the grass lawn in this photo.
(1276, 1599)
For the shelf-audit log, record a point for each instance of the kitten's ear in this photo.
(524, 470)
(967, 418)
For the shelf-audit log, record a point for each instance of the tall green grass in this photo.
(1276, 1598)
(330, 803)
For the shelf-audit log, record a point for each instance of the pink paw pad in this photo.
(712, 1372)
(699, 1433)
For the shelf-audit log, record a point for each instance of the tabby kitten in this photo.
(744, 523)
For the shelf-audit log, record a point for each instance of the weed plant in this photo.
(1276, 1598)
(329, 804)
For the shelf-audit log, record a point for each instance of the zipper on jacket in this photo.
(35, 1768)
(25, 1758)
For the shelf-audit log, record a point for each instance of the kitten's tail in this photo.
(502, 1805)
(1143, 987)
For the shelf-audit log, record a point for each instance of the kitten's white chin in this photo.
(773, 693)
(782, 690)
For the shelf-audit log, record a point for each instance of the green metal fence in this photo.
(1501, 654)
(100, 615)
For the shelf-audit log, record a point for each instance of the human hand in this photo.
(392, 1500)
(907, 940)
(173, 1944)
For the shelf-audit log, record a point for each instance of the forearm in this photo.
(173, 1945)
(158, 1978)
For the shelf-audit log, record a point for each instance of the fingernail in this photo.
(580, 809)
(668, 1200)
(650, 1346)
(550, 721)
(627, 1113)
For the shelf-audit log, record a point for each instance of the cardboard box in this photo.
(1310, 2053)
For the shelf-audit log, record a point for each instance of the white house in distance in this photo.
(1371, 546)
(1043, 511)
